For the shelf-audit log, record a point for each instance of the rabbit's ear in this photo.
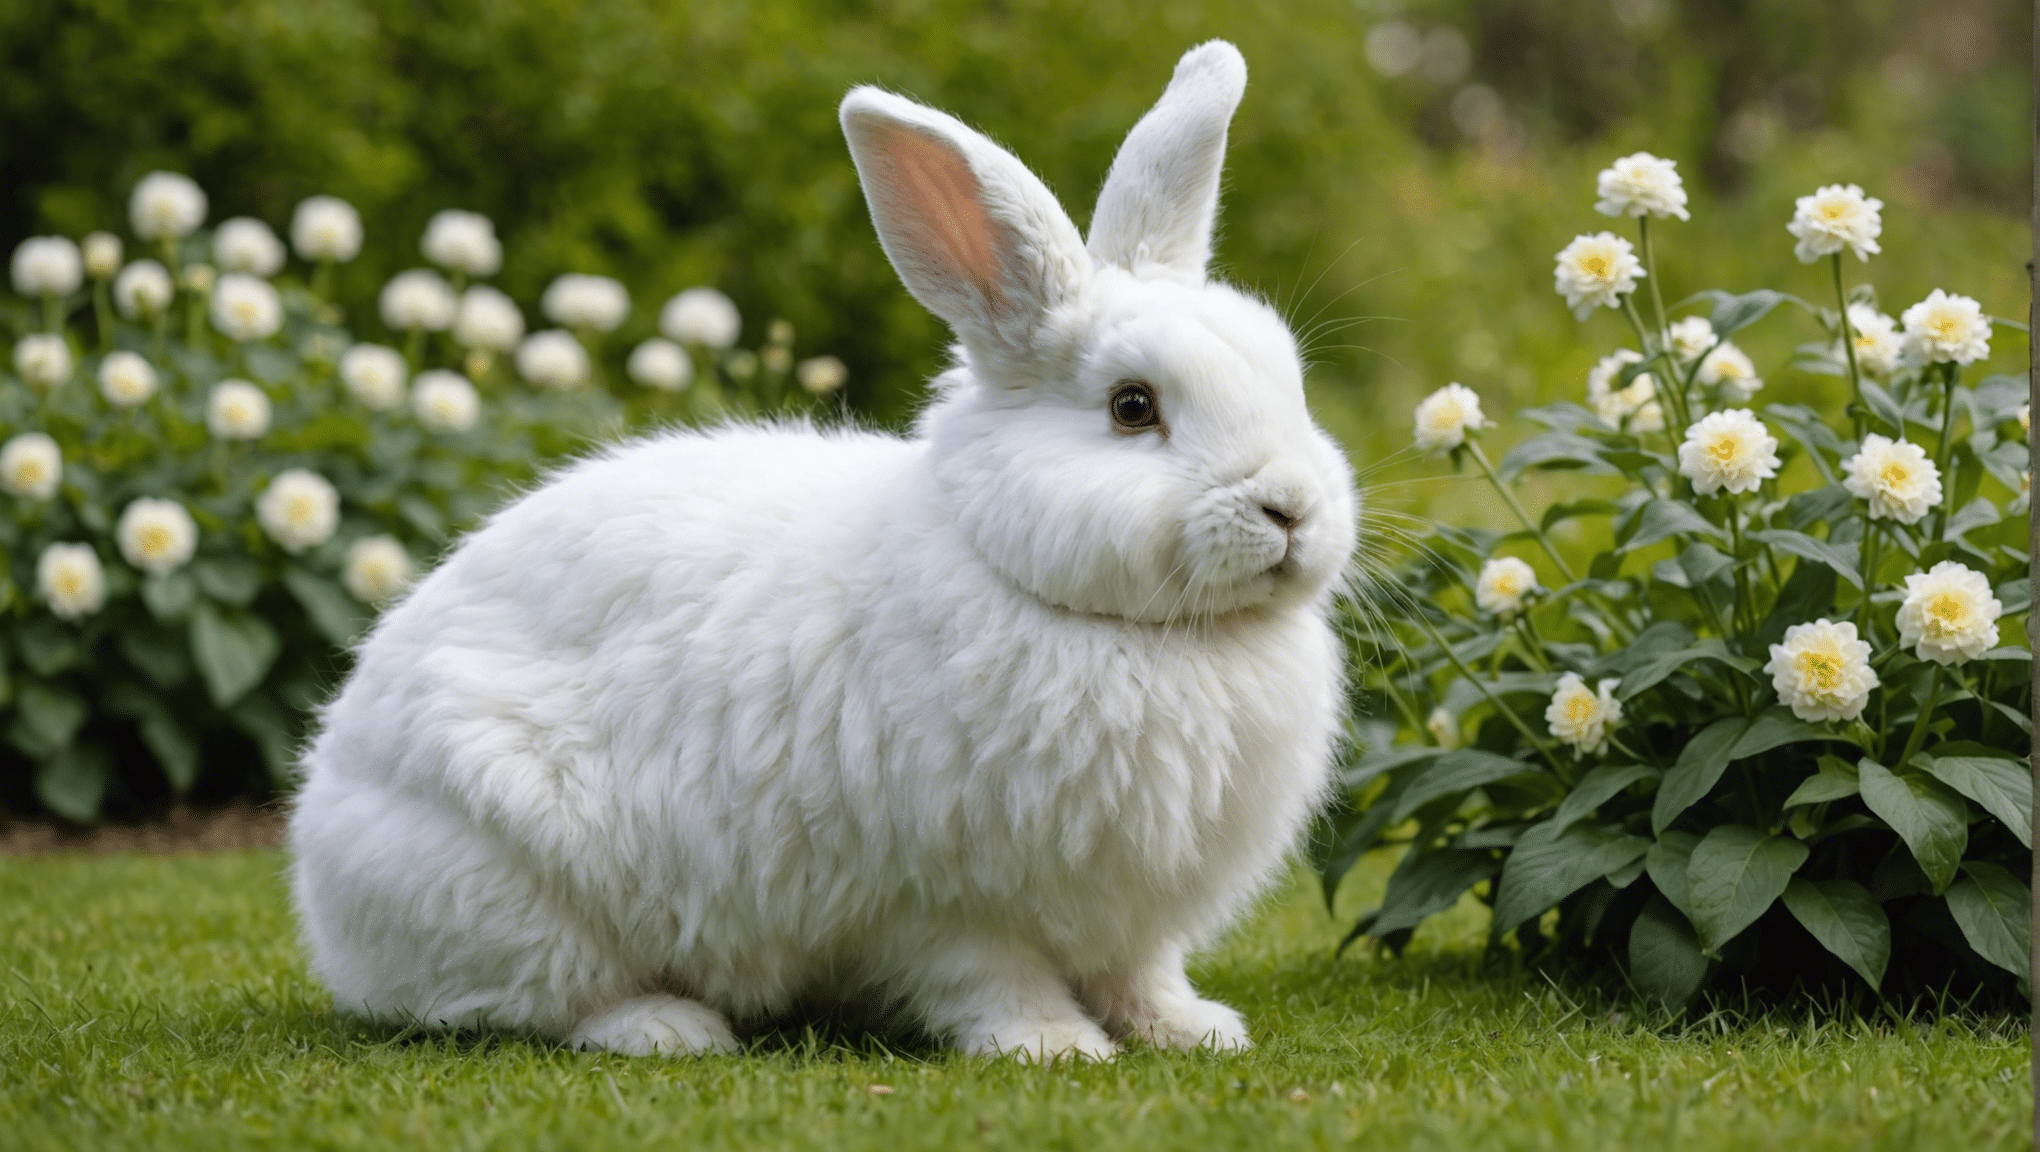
(975, 236)
(1162, 194)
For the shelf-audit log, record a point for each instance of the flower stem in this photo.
(1480, 458)
(1919, 732)
(102, 313)
(1944, 450)
(1533, 644)
(1657, 299)
(1657, 350)
(1849, 345)
(1745, 612)
(1869, 561)
(1504, 709)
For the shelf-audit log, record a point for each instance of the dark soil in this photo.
(240, 825)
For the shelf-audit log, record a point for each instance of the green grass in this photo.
(162, 1003)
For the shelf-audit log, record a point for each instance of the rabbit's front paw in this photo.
(1195, 1023)
(662, 1025)
(1041, 1041)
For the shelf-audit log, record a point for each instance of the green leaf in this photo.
(1717, 746)
(1836, 780)
(1651, 673)
(1458, 772)
(1735, 874)
(423, 516)
(1883, 407)
(2004, 788)
(332, 610)
(228, 579)
(1668, 862)
(1559, 513)
(72, 781)
(1734, 313)
(1993, 909)
(169, 597)
(1808, 593)
(234, 650)
(46, 718)
(1847, 921)
(1665, 961)
(1551, 450)
(1662, 519)
(1800, 544)
(266, 722)
(1596, 788)
(1928, 815)
(48, 646)
(173, 748)
(1544, 870)
(1427, 883)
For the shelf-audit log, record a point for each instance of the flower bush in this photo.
(211, 483)
(1770, 734)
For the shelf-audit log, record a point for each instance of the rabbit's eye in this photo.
(1135, 409)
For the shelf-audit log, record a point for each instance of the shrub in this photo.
(208, 485)
(1769, 734)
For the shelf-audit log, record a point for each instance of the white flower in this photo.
(1895, 477)
(166, 206)
(1446, 416)
(701, 316)
(43, 359)
(245, 244)
(31, 467)
(418, 298)
(553, 359)
(2025, 419)
(1504, 583)
(1691, 335)
(1443, 727)
(487, 319)
(445, 402)
(1822, 671)
(1635, 402)
(102, 255)
(578, 301)
(1581, 717)
(1731, 450)
(2024, 499)
(377, 569)
(1944, 327)
(143, 290)
(326, 228)
(1878, 343)
(660, 364)
(299, 510)
(1641, 185)
(821, 375)
(1596, 271)
(47, 266)
(1833, 218)
(776, 358)
(1949, 614)
(463, 241)
(156, 536)
(126, 380)
(375, 375)
(1729, 367)
(237, 410)
(70, 578)
(246, 308)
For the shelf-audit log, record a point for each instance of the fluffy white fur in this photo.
(987, 727)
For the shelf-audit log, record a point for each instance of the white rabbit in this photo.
(985, 728)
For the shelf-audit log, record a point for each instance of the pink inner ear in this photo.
(940, 192)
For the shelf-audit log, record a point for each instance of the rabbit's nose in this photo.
(1283, 518)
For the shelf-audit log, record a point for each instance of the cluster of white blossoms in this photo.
(1895, 477)
(1505, 582)
(245, 244)
(1641, 185)
(445, 401)
(156, 536)
(1446, 417)
(375, 376)
(377, 569)
(418, 300)
(487, 319)
(326, 228)
(299, 510)
(1634, 403)
(822, 375)
(662, 364)
(166, 206)
(464, 242)
(1443, 727)
(1835, 217)
(553, 359)
(237, 410)
(1946, 329)
(126, 379)
(1878, 344)
(143, 290)
(31, 466)
(1730, 372)
(580, 301)
(1597, 272)
(42, 359)
(47, 266)
(1584, 717)
(701, 316)
(1822, 671)
(71, 581)
(102, 252)
(1949, 615)
(246, 307)
(1728, 451)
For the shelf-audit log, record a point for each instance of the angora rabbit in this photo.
(983, 728)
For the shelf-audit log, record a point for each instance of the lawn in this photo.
(162, 1002)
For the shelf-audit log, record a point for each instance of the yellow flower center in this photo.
(28, 473)
(1834, 210)
(1580, 709)
(70, 583)
(1944, 326)
(154, 539)
(246, 311)
(300, 509)
(1947, 609)
(1505, 584)
(1595, 264)
(1822, 671)
(1725, 449)
(1895, 475)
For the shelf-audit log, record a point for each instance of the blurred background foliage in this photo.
(1400, 173)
